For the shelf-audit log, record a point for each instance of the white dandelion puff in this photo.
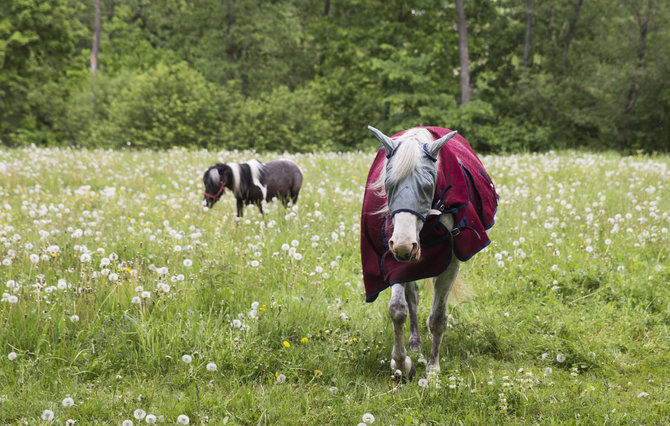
(139, 414)
(368, 418)
(68, 402)
(47, 415)
(211, 367)
(187, 358)
(183, 419)
(150, 418)
(12, 356)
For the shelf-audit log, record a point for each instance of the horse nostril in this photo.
(415, 247)
(391, 245)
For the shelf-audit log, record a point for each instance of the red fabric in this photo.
(466, 191)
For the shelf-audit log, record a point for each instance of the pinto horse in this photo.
(253, 182)
(428, 203)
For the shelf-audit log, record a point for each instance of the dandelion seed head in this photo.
(47, 415)
(187, 358)
(68, 402)
(368, 418)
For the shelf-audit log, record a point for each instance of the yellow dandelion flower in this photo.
(287, 344)
(54, 255)
(304, 340)
(317, 373)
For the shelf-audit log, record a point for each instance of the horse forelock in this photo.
(405, 160)
(213, 175)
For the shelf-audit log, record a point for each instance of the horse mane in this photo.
(405, 160)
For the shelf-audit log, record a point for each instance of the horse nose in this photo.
(407, 252)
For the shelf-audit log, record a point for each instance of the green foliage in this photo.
(282, 120)
(35, 49)
(163, 107)
(596, 74)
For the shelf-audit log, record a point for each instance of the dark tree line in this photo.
(300, 75)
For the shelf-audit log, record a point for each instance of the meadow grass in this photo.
(112, 271)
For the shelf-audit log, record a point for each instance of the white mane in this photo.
(235, 168)
(256, 170)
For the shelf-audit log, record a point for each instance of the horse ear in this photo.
(389, 144)
(435, 146)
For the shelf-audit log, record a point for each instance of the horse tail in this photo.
(460, 291)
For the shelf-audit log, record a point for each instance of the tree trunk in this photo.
(634, 89)
(324, 14)
(571, 32)
(526, 39)
(463, 51)
(96, 38)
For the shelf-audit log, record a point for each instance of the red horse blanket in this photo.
(463, 189)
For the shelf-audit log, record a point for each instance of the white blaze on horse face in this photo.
(404, 243)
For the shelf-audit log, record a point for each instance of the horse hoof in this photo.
(414, 343)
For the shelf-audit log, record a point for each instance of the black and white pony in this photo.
(253, 182)
(428, 203)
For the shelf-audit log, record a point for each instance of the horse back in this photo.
(283, 178)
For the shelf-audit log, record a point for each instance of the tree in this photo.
(463, 50)
(96, 38)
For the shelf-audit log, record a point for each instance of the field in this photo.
(124, 300)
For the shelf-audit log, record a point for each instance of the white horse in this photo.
(408, 180)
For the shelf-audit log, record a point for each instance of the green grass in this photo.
(568, 324)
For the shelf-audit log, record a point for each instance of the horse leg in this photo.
(437, 321)
(240, 207)
(260, 207)
(398, 313)
(412, 298)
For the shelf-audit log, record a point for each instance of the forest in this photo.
(310, 75)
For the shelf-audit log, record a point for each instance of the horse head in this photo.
(409, 183)
(216, 179)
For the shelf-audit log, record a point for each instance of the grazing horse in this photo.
(428, 203)
(253, 182)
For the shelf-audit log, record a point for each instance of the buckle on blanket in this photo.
(455, 232)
